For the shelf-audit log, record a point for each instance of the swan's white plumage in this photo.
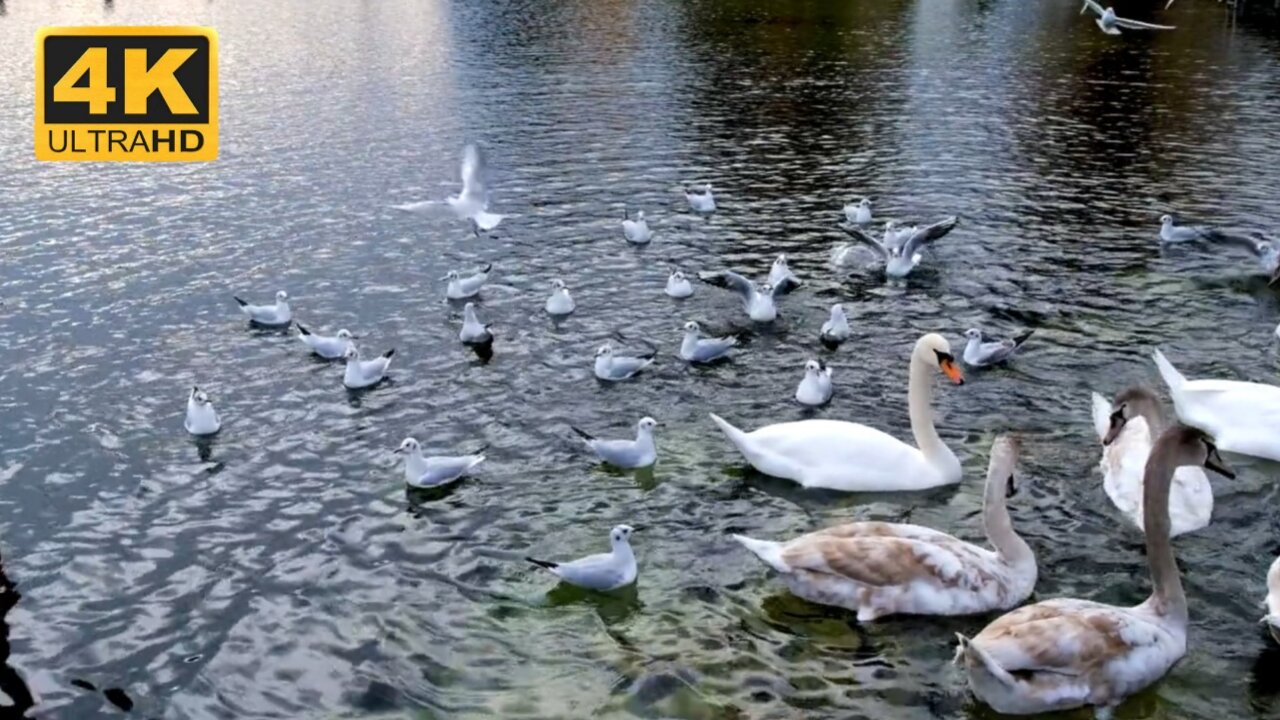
(1242, 417)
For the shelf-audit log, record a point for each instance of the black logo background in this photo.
(62, 51)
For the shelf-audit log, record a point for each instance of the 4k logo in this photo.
(127, 93)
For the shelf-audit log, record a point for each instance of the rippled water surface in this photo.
(282, 571)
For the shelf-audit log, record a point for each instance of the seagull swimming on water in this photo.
(700, 198)
(364, 373)
(901, 259)
(759, 301)
(695, 348)
(329, 347)
(780, 275)
(982, 350)
(859, 214)
(603, 572)
(560, 302)
(678, 286)
(815, 387)
(612, 367)
(1111, 24)
(202, 419)
(1171, 233)
(277, 315)
(835, 330)
(628, 454)
(437, 470)
(1266, 251)
(473, 331)
(460, 287)
(636, 231)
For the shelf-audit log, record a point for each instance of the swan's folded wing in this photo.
(1067, 637)
(879, 561)
(873, 528)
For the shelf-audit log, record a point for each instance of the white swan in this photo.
(856, 458)
(1068, 653)
(877, 569)
(1127, 431)
(1242, 417)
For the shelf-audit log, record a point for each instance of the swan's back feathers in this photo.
(1065, 637)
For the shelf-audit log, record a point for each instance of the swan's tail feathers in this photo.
(547, 564)
(1019, 339)
(302, 329)
(1168, 372)
(769, 552)
(1101, 415)
(975, 658)
(736, 436)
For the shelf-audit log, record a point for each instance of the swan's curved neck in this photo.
(995, 517)
(919, 399)
(1167, 596)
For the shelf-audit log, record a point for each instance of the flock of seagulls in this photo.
(1052, 655)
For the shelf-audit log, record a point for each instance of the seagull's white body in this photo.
(759, 302)
(700, 199)
(900, 249)
(1272, 601)
(836, 329)
(612, 367)
(329, 347)
(1241, 417)
(1171, 233)
(981, 350)
(202, 419)
(606, 571)
(1124, 461)
(851, 457)
(695, 348)
(473, 331)
(859, 214)
(637, 231)
(434, 471)
(269, 315)
(815, 387)
(473, 202)
(365, 373)
(678, 286)
(460, 288)
(780, 273)
(629, 454)
(1111, 24)
(560, 302)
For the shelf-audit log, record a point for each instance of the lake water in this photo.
(282, 571)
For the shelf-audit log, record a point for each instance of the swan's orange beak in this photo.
(949, 368)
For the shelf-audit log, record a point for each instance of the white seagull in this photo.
(780, 275)
(1111, 24)
(611, 366)
(1171, 233)
(628, 454)
(902, 258)
(700, 199)
(697, 349)
(859, 214)
(981, 350)
(759, 301)
(464, 287)
(202, 419)
(473, 331)
(678, 286)
(364, 373)
(329, 347)
(636, 231)
(604, 572)
(560, 302)
(434, 471)
(473, 202)
(815, 387)
(835, 330)
(269, 315)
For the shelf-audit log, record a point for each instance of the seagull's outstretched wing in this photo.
(1253, 245)
(473, 183)
(1091, 5)
(1139, 25)
(786, 285)
(928, 234)
(861, 236)
(729, 279)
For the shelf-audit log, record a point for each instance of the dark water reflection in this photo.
(281, 569)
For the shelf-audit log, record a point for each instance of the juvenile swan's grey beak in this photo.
(1215, 463)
